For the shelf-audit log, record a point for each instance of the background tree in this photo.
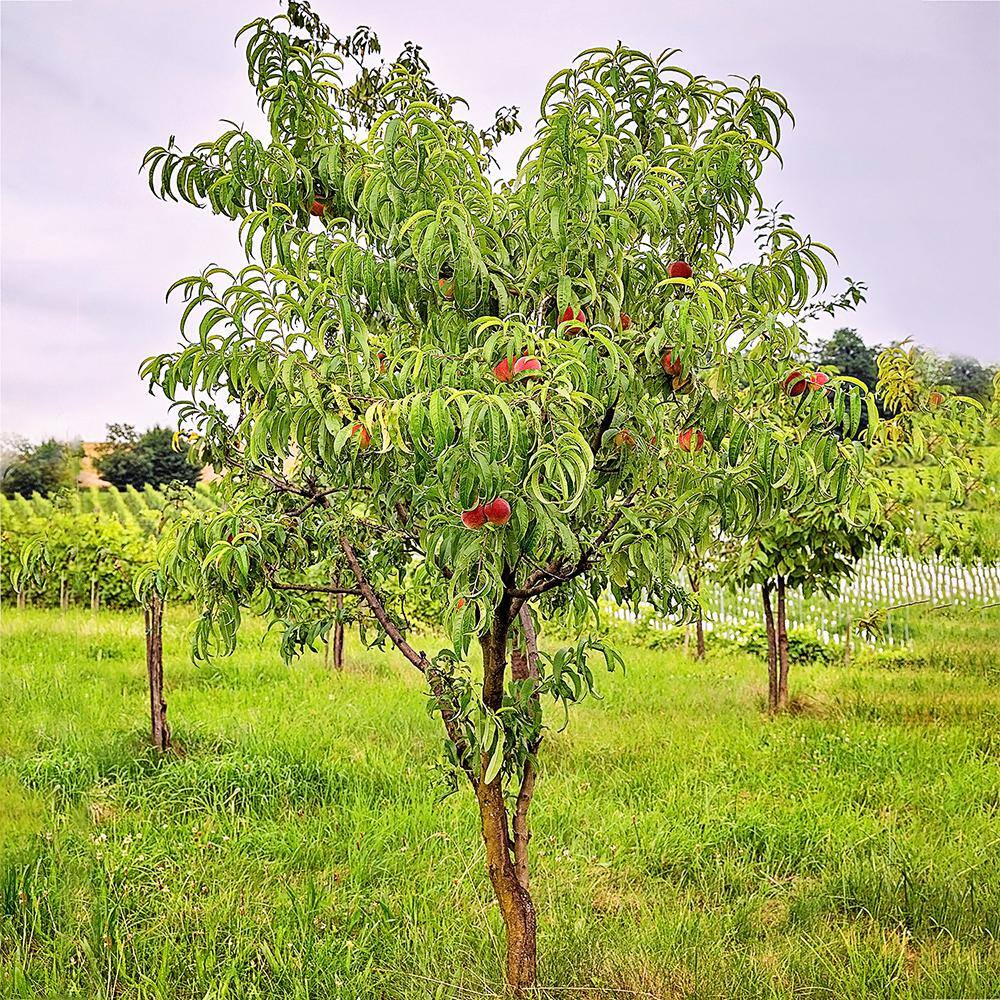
(44, 468)
(968, 377)
(519, 394)
(914, 481)
(850, 355)
(130, 459)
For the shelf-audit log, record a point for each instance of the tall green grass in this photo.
(297, 845)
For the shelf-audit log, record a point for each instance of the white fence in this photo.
(880, 580)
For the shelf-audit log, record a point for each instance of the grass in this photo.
(296, 845)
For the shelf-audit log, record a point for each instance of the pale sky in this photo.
(895, 159)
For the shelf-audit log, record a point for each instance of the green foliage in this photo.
(922, 468)
(130, 459)
(344, 378)
(804, 645)
(77, 551)
(45, 468)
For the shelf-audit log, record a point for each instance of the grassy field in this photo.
(686, 846)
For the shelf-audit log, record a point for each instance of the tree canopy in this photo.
(850, 355)
(520, 393)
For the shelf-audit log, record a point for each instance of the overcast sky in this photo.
(895, 160)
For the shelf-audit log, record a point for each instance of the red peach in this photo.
(568, 316)
(817, 380)
(795, 383)
(679, 269)
(685, 442)
(527, 365)
(672, 365)
(474, 518)
(317, 208)
(626, 321)
(364, 438)
(497, 511)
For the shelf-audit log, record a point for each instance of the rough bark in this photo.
(513, 897)
(772, 647)
(782, 647)
(160, 730)
(515, 902)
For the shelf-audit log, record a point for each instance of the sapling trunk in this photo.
(694, 578)
(338, 637)
(782, 646)
(772, 647)
(160, 730)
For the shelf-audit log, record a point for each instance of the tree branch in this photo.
(310, 588)
(449, 714)
(603, 427)
(542, 580)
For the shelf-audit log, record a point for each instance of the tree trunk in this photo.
(513, 896)
(782, 647)
(63, 594)
(524, 666)
(338, 637)
(516, 906)
(335, 645)
(772, 647)
(160, 731)
(22, 599)
(694, 578)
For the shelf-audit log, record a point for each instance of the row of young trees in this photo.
(521, 393)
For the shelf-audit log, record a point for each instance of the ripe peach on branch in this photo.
(691, 439)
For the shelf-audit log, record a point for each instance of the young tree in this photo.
(523, 393)
(919, 470)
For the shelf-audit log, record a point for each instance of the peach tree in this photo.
(918, 470)
(517, 394)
